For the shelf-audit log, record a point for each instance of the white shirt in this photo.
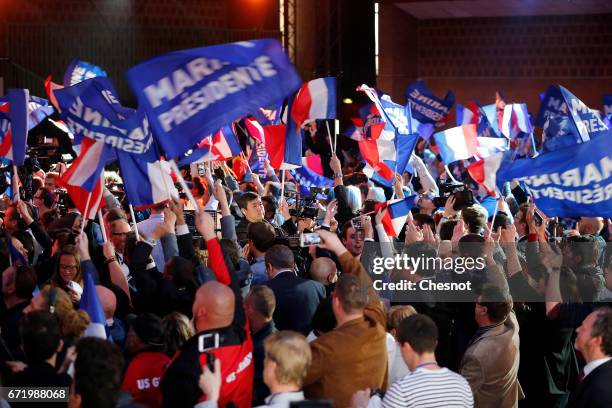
(594, 364)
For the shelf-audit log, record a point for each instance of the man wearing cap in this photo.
(143, 376)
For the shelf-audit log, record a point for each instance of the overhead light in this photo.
(348, 101)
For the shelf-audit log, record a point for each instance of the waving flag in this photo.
(272, 137)
(587, 121)
(38, 109)
(51, 87)
(313, 162)
(515, 120)
(552, 103)
(222, 146)
(86, 168)
(15, 110)
(316, 99)
(79, 71)
(395, 213)
(467, 115)
(257, 159)
(306, 178)
(195, 92)
(490, 145)
(607, 105)
(146, 178)
(384, 170)
(91, 304)
(484, 172)
(573, 181)
(558, 132)
(80, 196)
(458, 143)
(426, 107)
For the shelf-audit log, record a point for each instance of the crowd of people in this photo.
(220, 305)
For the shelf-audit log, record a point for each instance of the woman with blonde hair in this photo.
(177, 330)
(72, 322)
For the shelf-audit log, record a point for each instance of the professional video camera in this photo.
(463, 195)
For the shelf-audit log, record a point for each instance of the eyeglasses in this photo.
(118, 234)
(68, 267)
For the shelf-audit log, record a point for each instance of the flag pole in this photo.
(336, 130)
(282, 197)
(495, 211)
(134, 221)
(181, 180)
(331, 145)
(102, 227)
(84, 217)
(16, 183)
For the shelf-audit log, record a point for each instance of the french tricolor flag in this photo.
(484, 172)
(515, 120)
(316, 99)
(274, 137)
(458, 143)
(395, 213)
(467, 115)
(92, 305)
(222, 146)
(86, 169)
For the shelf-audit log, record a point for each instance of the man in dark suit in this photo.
(594, 341)
(296, 298)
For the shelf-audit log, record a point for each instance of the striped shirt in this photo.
(429, 388)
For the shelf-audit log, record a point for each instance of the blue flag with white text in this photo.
(426, 107)
(191, 93)
(587, 121)
(573, 181)
(79, 71)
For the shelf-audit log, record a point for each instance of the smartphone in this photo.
(210, 362)
(309, 239)
(356, 223)
(537, 217)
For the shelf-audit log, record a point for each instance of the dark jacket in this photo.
(595, 390)
(39, 375)
(296, 301)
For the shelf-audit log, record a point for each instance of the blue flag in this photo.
(146, 178)
(92, 109)
(552, 103)
(79, 71)
(18, 115)
(587, 121)
(91, 304)
(307, 178)
(571, 182)
(257, 159)
(426, 107)
(607, 105)
(191, 93)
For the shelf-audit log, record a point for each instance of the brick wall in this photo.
(475, 57)
(42, 36)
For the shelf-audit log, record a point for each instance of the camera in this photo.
(309, 239)
(314, 191)
(463, 195)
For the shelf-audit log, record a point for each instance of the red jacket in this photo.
(232, 345)
(143, 377)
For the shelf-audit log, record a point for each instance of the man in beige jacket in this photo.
(353, 356)
(491, 362)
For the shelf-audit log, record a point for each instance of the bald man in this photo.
(590, 225)
(220, 322)
(116, 328)
(323, 270)
(593, 226)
